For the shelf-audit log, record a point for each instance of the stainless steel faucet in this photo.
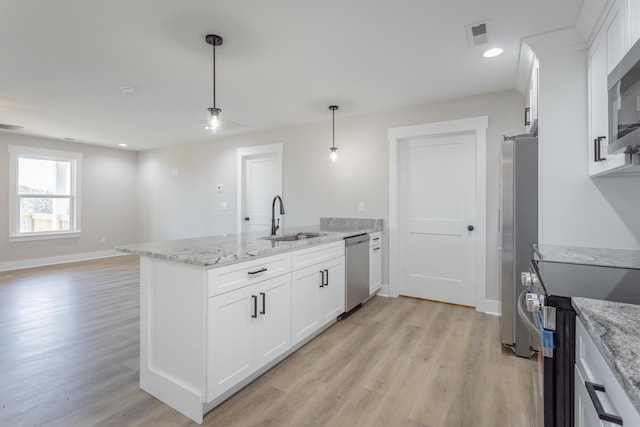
(275, 227)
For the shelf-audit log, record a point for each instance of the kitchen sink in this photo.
(293, 237)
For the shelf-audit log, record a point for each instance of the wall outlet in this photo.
(361, 207)
(103, 240)
(223, 206)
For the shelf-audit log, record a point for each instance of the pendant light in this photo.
(334, 149)
(213, 113)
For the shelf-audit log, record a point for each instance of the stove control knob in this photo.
(526, 279)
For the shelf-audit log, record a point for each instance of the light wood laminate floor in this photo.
(69, 352)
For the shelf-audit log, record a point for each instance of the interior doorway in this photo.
(429, 238)
(259, 181)
(437, 217)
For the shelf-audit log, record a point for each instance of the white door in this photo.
(262, 184)
(437, 201)
(259, 181)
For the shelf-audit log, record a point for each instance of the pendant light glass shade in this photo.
(213, 113)
(334, 153)
(333, 148)
(213, 120)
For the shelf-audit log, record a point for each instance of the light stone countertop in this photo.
(615, 330)
(621, 258)
(215, 251)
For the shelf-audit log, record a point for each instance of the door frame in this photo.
(398, 135)
(242, 154)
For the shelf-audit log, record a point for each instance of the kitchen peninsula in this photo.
(217, 312)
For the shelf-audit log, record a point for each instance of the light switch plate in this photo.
(361, 207)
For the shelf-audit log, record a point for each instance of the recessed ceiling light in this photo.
(127, 90)
(492, 52)
(123, 145)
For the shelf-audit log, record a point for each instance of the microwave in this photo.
(623, 84)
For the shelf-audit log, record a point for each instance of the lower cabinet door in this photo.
(332, 295)
(228, 340)
(305, 311)
(271, 330)
(247, 328)
(585, 413)
(375, 268)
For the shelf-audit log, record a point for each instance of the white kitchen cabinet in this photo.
(247, 329)
(235, 276)
(375, 262)
(608, 47)
(633, 7)
(332, 294)
(591, 369)
(317, 297)
(317, 289)
(207, 332)
(531, 109)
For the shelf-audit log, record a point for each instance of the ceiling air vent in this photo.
(479, 33)
(229, 124)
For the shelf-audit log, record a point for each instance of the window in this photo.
(44, 194)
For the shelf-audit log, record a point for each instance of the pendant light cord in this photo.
(333, 127)
(214, 75)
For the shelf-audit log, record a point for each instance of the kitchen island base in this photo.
(205, 333)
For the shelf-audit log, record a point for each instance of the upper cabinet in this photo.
(620, 27)
(531, 109)
(633, 7)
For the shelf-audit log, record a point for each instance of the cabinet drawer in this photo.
(375, 238)
(313, 255)
(592, 368)
(236, 276)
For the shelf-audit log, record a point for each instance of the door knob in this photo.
(470, 227)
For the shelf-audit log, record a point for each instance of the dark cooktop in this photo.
(589, 281)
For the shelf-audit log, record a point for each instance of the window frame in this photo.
(17, 152)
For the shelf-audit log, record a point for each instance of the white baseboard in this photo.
(489, 307)
(60, 259)
(384, 291)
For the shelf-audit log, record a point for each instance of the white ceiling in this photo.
(283, 62)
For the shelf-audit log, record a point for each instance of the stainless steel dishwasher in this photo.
(357, 288)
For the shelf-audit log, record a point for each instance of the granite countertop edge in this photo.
(613, 328)
(217, 251)
(621, 258)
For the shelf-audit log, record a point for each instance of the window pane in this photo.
(43, 214)
(36, 176)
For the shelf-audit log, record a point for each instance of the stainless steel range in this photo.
(545, 308)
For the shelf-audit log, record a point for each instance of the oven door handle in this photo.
(523, 313)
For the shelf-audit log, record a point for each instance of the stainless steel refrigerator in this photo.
(519, 231)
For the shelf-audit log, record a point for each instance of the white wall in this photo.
(187, 204)
(576, 210)
(108, 198)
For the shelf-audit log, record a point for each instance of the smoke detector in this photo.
(479, 33)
